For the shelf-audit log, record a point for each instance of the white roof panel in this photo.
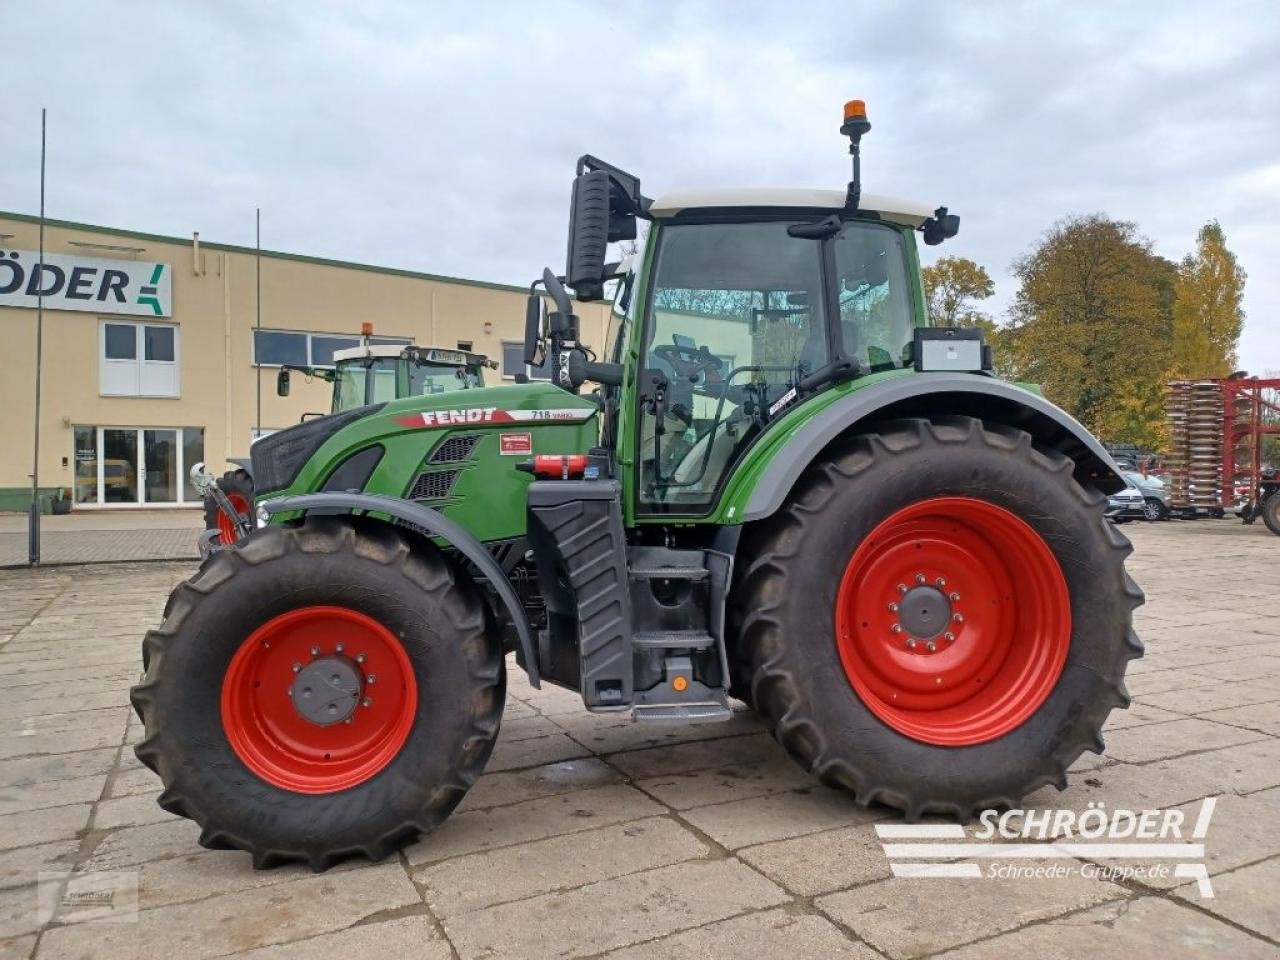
(890, 208)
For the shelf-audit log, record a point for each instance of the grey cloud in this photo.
(441, 137)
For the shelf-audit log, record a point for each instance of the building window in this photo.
(465, 345)
(137, 359)
(513, 363)
(274, 348)
(136, 466)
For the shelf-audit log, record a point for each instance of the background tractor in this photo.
(367, 374)
(784, 488)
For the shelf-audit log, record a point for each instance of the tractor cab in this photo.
(743, 305)
(376, 373)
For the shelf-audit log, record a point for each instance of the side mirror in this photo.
(605, 204)
(282, 383)
(941, 226)
(532, 328)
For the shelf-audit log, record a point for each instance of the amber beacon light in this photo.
(854, 126)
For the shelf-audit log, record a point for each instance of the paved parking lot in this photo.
(104, 536)
(592, 836)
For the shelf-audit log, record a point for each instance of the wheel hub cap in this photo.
(924, 612)
(326, 691)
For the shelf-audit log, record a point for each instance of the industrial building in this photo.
(153, 358)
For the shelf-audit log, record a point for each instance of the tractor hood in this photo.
(522, 403)
(278, 458)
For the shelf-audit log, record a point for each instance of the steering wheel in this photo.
(687, 361)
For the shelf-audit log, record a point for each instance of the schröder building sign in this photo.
(85, 283)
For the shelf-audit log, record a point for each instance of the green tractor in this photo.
(370, 373)
(784, 488)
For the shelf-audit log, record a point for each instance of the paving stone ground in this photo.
(593, 837)
(104, 536)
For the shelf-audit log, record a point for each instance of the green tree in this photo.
(1092, 324)
(1207, 310)
(952, 289)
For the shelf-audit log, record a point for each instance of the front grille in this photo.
(455, 449)
(433, 486)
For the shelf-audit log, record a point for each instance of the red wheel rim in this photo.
(276, 741)
(953, 621)
(227, 532)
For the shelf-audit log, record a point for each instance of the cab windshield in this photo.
(364, 381)
(737, 317)
(427, 379)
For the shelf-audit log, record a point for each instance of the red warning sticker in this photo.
(516, 444)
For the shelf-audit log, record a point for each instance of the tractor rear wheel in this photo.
(939, 618)
(1270, 511)
(319, 692)
(238, 486)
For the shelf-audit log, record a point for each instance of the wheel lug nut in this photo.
(954, 597)
(931, 646)
(340, 648)
(367, 702)
(297, 667)
(896, 628)
(893, 608)
(958, 618)
(902, 588)
(911, 642)
(348, 720)
(315, 651)
(948, 636)
(941, 582)
(919, 578)
(359, 658)
(372, 678)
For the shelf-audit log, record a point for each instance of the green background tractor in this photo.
(784, 488)
(370, 373)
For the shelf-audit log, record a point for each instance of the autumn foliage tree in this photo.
(953, 287)
(1208, 313)
(1092, 323)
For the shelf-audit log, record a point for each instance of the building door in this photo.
(118, 466)
(160, 466)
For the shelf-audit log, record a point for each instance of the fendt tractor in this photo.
(370, 373)
(784, 488)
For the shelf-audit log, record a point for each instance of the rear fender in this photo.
(437, 525)
(922, 395)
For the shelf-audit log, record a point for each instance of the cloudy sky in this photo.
(442, 137)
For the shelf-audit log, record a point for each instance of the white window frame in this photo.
(528, 367)
(378, 338)
(139, 363)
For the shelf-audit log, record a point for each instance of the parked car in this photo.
(1126, 504)
(1155, 495)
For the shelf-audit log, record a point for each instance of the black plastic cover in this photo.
(575, 530)
(277, 459)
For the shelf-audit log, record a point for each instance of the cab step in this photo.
(674, 640)
(703, 711)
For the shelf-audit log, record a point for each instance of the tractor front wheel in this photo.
(319, 692)
(939, 618)
(238, 487)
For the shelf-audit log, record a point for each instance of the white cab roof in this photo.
(889, 208)
(379, 350)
